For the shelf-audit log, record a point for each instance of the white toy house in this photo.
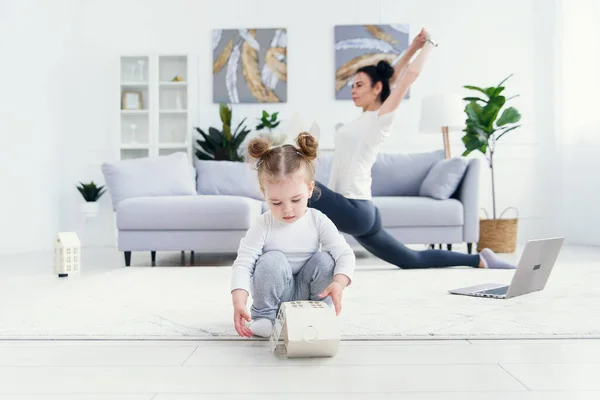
(310, 329)
(67, 254)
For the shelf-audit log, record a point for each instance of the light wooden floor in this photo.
(186, 370)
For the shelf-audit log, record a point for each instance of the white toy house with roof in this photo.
(67, 254)
(309, 329)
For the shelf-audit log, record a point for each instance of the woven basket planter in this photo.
(499, 235)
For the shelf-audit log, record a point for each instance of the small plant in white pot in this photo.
(91, 193)
(270, 122)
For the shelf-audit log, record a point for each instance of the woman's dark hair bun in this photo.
(384, 69)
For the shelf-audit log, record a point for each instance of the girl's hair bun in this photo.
(308, 145)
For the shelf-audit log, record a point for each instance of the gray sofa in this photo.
(165, 204)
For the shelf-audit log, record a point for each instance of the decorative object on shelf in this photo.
(177, 78)
(445, 113)
(359, 45)
(483, 130)
(133, 127)
(238, 74)
(222, 145)
(133, 74)
(142, 64)
(179, 101)
(67, 254)
(131, 100)
(91, 193)
(270, 122)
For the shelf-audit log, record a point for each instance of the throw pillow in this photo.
(231, 178)
(443, 178)
(151, 176)
(396, 174)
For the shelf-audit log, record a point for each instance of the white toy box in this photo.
(309, 328)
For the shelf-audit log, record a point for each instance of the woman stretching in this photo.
(347, 198)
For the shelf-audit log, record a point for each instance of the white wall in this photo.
(481, 43)
(579, 136)
(36, 49)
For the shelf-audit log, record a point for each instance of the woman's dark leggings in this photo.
(361, 219)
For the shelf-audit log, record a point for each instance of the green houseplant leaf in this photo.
(222, 144)
(474, 99)
(268, 121)
(507, 130)
(484, 128)
(209, 145)
(90, 191)
(509, 116)
(239, 138)
(474, 111)
(470, 87)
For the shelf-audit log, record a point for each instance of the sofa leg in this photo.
(432, 246)
(191, 258)
(470, 247)
(440, 246)
(449, 247)
(153, 257)
(127, 258)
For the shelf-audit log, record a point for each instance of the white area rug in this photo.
(383, 303)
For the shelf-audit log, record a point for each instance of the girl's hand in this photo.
(240, 316)
(335, 291)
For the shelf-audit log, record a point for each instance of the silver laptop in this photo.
(531, 275)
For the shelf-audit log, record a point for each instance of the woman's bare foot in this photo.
(489, 259)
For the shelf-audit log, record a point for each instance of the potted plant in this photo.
(270, 122)
(91, 193)
(222, 144)
(483, 130)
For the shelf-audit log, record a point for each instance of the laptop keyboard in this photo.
(496, 291)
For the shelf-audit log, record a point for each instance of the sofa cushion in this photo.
(402, 174)
(152, 176)
(393, 174)
(323, 168)
(419, 211)
(227, 178)
(443, 178)
(187, 213)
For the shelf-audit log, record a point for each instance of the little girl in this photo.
(291, 252)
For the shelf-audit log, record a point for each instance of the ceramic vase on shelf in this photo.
(141, 64)
(133, 127)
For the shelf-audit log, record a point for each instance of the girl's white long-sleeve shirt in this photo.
(299, 241)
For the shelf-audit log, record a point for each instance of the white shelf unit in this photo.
(163, 125)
